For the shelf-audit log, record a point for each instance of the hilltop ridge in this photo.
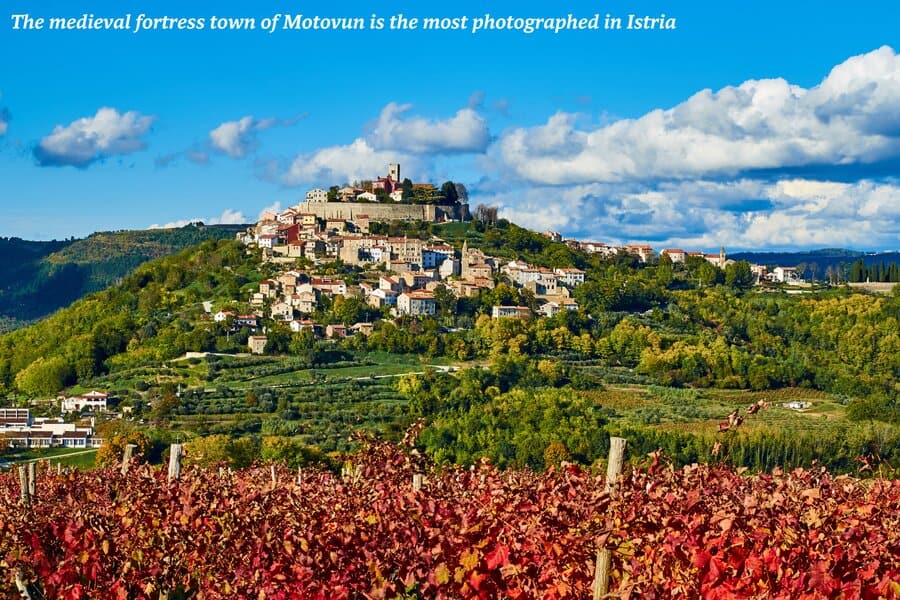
(38, 278)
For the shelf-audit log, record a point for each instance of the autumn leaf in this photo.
(442, 574)
(498, 557)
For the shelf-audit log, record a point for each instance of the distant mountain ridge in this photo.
(836, 258)
(38, 278)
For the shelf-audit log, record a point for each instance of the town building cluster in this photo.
(336, 225)
(645, 253)
(407, 272)
(18, 428)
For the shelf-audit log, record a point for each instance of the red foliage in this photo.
(701, 531)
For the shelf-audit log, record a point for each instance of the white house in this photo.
(382, 297)
(785, 274)
(676, 255)
(93, 400)
(570, 277)
(433, 256)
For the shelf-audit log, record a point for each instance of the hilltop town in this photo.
(374, 246)
(402, 274)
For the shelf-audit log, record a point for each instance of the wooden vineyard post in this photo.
(175, 461)
(20, 585)
(603, 560)
(25, 497)
(32, 480)
(272, 471)
(417, 482)
(616, 460)
(126, 458)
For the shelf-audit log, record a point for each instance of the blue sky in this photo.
(757, 125)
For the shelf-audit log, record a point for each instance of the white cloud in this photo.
(86, 140)
(338, 164)
(238, 138)
(741, 214)
(228, 217)
(393, 137)
(274, 209)
(466, 131)
(852, 117)
(234, 138)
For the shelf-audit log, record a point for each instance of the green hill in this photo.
(38, 278)
(142, 314)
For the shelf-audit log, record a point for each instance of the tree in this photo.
(220, 448)
(462, 194)
(858, 271)
(448, 191)
(445, 300)
(111, 452)
(166, 405)
(291, 452)
(333, 193)
(738, 275)
(44, 377)
(407, 189)
(486, 214)
(707, 274)
(279, 338)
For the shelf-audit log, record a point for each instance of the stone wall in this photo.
(384, 211)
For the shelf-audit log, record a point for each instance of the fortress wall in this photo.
(382, 212)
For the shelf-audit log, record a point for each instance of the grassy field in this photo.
(700, 410)
(68, 457)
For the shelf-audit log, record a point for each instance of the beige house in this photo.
(317, 195)
(419, 302)
(305, 302)
(257, 344)
(282, 311)
(511, 312)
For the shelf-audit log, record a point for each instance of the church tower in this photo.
(464, 260)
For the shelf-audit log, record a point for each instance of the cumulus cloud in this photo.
(89, 139)
(272, 209)
(466, 131)
(352, 162)
(741, 214)
(393, 137)
(234, 138)
(5, 118)
(238, 138)
(228, 217)
(851, 117)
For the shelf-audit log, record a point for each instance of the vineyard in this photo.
(381, 530)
